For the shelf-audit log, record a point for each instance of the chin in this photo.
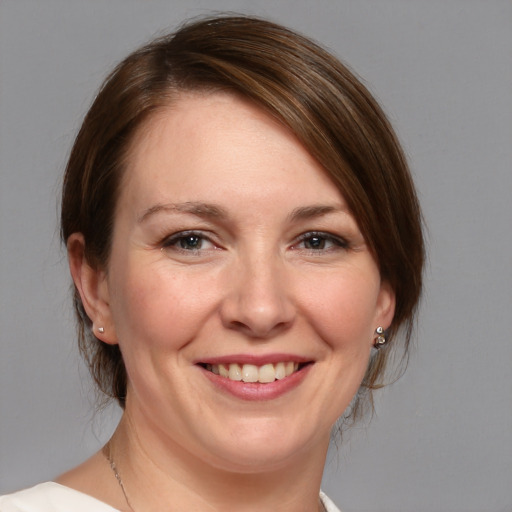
(263, 446)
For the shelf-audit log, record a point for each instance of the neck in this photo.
(155, 471)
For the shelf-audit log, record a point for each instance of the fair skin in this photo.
(231, 246)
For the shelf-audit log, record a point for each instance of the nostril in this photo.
(259, 331)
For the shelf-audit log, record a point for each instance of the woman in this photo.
(245, 243)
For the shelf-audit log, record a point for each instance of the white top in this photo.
(53, 497)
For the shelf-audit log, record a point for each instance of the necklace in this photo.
(114, 469)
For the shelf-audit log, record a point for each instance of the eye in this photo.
(315, 242)
(190, 241)
(319, 241)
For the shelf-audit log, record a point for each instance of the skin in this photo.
(275, 264)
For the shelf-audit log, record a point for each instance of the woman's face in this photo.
(234, 257)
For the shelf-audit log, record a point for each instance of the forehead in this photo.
(220, 142)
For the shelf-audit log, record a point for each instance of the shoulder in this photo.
(326, 501)
(51, 497)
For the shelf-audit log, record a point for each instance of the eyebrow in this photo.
(207, 210)
(204, 210)
(313, 211)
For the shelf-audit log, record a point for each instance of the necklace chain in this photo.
(113, 467)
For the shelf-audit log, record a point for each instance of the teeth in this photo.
(267, 373)
(280, 371)
(223, 370)
(252, 373)
(235, 372)
(288, 368)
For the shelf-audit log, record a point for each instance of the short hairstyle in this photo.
(306, 89)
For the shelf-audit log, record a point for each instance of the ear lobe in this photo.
(92, 286)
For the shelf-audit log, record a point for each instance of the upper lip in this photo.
(257, 360)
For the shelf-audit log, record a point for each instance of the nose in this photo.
(257, 301)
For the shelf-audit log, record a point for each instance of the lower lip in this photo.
(253, 391)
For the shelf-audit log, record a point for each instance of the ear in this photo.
(385, 309)
(92, 285)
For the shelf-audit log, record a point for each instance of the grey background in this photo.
(441, 439)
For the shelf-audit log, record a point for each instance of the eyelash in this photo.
(182, 236)
(321, 237)
(336, 241)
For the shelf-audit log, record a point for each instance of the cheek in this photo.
(156, 308)
(154, 319)
(343, 310)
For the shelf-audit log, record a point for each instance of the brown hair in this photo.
(305, 88)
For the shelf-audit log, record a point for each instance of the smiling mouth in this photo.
(264, 374)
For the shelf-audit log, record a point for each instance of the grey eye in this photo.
(315, 242)
(190, 242)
